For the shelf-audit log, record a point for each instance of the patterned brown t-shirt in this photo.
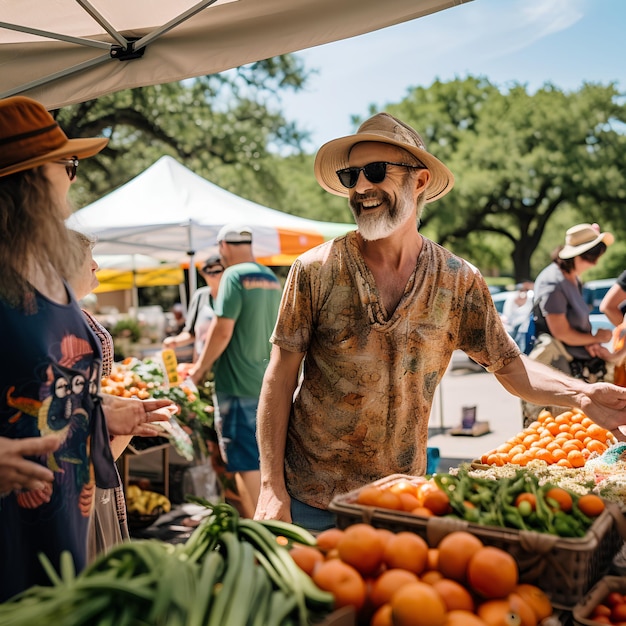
(361, 411)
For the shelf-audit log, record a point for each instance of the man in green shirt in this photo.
(237, 344)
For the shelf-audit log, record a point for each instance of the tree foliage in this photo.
(224, 127)
(521, 161)
(527, 165)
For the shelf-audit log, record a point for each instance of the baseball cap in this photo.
(235, 233)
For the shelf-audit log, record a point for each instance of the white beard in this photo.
(381, 224)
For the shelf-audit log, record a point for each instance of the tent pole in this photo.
(135, 289)
(193, 278)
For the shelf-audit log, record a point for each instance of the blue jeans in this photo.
(311, 517)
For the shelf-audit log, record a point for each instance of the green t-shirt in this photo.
(250, 294)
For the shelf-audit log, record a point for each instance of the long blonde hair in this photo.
(33, 234)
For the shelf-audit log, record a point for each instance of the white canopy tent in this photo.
(70, 51)
(170, 213)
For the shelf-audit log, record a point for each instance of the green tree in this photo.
(521, 161)
(224, 127)
(303, 196)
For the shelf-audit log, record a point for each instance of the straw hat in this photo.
(382, 128)
(583, 237)
(30, 136)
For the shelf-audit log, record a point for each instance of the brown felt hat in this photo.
(30, 136)
(381, 128)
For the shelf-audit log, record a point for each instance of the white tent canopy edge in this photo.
(70, 51)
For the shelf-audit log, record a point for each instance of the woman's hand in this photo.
(603, 335)
(130, 416)
(19, 473)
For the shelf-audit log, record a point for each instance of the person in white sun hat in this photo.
(565, 338)
(367, 326)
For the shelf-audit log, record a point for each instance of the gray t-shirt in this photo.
(555, 295)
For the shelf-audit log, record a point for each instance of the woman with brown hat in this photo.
(50, 408)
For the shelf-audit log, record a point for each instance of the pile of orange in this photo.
(416, 495)
(396, 579)
(566, 440)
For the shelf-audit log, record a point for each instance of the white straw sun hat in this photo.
(583, 237)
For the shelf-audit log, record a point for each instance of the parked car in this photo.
(600, 320)
(595, 290)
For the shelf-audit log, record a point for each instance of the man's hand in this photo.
(272, 506)
(196, 375)
(130, 416)
(19, 473)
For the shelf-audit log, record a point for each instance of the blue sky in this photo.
(565, 42)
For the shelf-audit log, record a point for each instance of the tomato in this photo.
(526, 497)
(614, 598)
(601, 610)
(618, 612)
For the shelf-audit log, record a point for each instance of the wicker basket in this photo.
(583, 609)
(565, 568)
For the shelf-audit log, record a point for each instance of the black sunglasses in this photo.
(213, 272)
(374, 172)
(71, 165)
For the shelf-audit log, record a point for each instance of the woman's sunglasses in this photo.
(71, 165)
(374, 172)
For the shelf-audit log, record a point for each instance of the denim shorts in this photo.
(235, 423)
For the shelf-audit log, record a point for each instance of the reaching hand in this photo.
(19, 473)
(130, 416)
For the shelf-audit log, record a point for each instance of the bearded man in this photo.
(367, 325)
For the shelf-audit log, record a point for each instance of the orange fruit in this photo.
(437, 501)
(553, 428)
(407, 551)
(382, 616)
(343, 581)
(306, 557)
(385, 534)
(591, 504)
(388, 583)
(564, 418)
(404, 486)
(362, 547)
(368, 496)
(492, 572)
(422, 511)
(455, 551)
(327, 540)
(536, 599)
(523, 609)
(463, 618)
(596, 431)
(432, 562)
(572, 444)
(544, 455)
(431, 576)
(576, 458)
(408, 502)
(454, 594)
(561, 497)
(417, 604)
(498, 613)
(387, 499)
(596, 446)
